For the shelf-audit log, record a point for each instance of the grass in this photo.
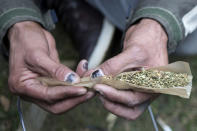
(180, 114)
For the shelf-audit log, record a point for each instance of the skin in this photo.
(145, 45)
(33, 53)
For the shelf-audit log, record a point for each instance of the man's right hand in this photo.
(32, 54)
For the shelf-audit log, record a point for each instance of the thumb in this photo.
(113, 66)
(128, 60)
(44, 65)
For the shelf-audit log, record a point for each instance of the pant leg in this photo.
(188, 47)
(116, 11)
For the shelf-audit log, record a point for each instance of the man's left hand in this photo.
(145, 45)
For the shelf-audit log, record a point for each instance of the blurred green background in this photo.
(180, 114)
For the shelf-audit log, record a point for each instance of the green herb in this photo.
(154, 79)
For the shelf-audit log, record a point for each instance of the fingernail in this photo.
(97, 73)
(85, 65)
(70, 78)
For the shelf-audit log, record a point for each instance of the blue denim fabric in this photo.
(54, 16)
(42, 6)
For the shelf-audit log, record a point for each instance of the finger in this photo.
(34, 89)
(82, 67)
(126, 97)
(52, 47)
(41, 63)
(123, 111)
(65, 105)
(123, 61)
(110, 67)
(114, 65)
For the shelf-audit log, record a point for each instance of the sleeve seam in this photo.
(170, 23)
(167, 16)
(20, 18)
(19, 12)
(14, 9)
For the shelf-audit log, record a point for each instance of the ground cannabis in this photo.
(154, 79)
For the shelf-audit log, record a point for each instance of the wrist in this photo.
(18, 32)
(20, 28)
(146, 32)
(157, 28)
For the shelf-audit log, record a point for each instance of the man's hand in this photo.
(33, 54)
(145, 45)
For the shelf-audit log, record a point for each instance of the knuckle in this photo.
(108, 64)
(132, 117)
(30, 57)
(35, 57)
(111, 106)
(132, 102)
(59, 72)
(55, 110)
(109, 67)
(134, 114)
(49, 100)
(141, 53)
(48, 97)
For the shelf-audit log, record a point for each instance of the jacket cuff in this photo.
(12, 16)
(170, 23)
